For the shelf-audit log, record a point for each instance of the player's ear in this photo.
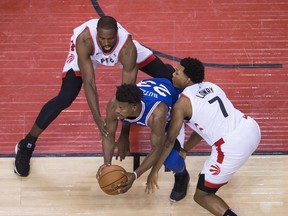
(188, 81)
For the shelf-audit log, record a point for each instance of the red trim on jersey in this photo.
(77, 73)
(182, 94)
(212, 185)
(146, 61)
(220, 156)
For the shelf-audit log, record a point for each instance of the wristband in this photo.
(135, 175)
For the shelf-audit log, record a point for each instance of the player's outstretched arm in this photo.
(179, 112)
(108, 142)
(123, 143)
(84, 49)
(157, 123)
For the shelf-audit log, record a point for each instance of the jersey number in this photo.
(222, 107)
(161, 89)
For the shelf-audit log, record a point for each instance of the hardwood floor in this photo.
(61, 186)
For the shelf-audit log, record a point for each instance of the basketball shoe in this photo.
(179, 190)
(22, 159)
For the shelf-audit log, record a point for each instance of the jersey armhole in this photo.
(182, 94)
(120, 50)
(94, 48)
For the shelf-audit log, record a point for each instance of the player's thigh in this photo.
(238, 146)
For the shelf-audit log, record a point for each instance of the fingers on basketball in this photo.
(110, 178)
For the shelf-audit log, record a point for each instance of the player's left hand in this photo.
(124, 187)
(152, 182)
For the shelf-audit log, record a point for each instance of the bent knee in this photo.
(65, 103)
(200, 196)
(64, 100)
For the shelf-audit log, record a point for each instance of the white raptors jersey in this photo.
(99, 57)
(213, 115)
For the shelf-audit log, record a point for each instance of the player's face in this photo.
(106, 38)
(124, 110)
(180, 79)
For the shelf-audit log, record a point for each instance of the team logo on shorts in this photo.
(70, 58)
(215, 169)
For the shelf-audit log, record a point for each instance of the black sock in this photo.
(29, 139)
(229, 212)
(182, 173)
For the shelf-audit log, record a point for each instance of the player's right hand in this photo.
(123, 146)
(124, 187)
(182, 153)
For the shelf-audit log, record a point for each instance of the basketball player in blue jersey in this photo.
(94, 43)
(146, 104)
(233, 136)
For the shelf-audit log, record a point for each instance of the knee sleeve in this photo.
(174, 161)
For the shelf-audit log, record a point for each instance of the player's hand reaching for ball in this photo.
(100, 170)
(102, 127)
(123, 143)
(152, 182)
(124, 187)
(123, 146)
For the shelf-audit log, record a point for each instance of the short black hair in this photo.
(194, 69)
(107, 22)
(129, 93)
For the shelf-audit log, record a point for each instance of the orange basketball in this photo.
(110, 178)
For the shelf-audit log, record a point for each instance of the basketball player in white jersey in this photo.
(232, 135)
(96, 42)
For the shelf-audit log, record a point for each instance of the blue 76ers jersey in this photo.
(155, 91)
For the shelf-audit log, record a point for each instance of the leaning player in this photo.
(94, 43)
(147, 104)
(232, 135)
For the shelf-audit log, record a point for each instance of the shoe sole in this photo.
(173, 201)
(15, 170)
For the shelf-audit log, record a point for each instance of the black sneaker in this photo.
(179, 190)
(22, 158)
